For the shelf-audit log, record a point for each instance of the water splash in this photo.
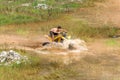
(75, 45)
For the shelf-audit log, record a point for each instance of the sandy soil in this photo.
(15, 40)
(103, 13)
(111, 12)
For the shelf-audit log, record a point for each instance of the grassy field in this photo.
(95, 65)
(13, 12)
(77, 29)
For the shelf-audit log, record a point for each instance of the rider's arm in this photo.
(63, 30)
(52, 35)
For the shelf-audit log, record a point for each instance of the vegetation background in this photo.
(82, 20)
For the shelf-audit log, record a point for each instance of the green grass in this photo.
(71, 5)
(112, 42)
(22, 31)
(15, 19)
(83, 30)
(14, 13)
(77, 29)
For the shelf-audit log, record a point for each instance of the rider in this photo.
(56, 31)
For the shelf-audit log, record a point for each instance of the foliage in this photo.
(10, 10)
(15, 19)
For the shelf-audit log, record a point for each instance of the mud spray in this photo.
(68, 46)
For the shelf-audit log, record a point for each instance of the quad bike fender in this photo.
(48, 37)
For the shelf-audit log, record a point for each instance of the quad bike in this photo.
(64, 42)
(58, 39)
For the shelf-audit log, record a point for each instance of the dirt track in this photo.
(34, 43)
(15, 40)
